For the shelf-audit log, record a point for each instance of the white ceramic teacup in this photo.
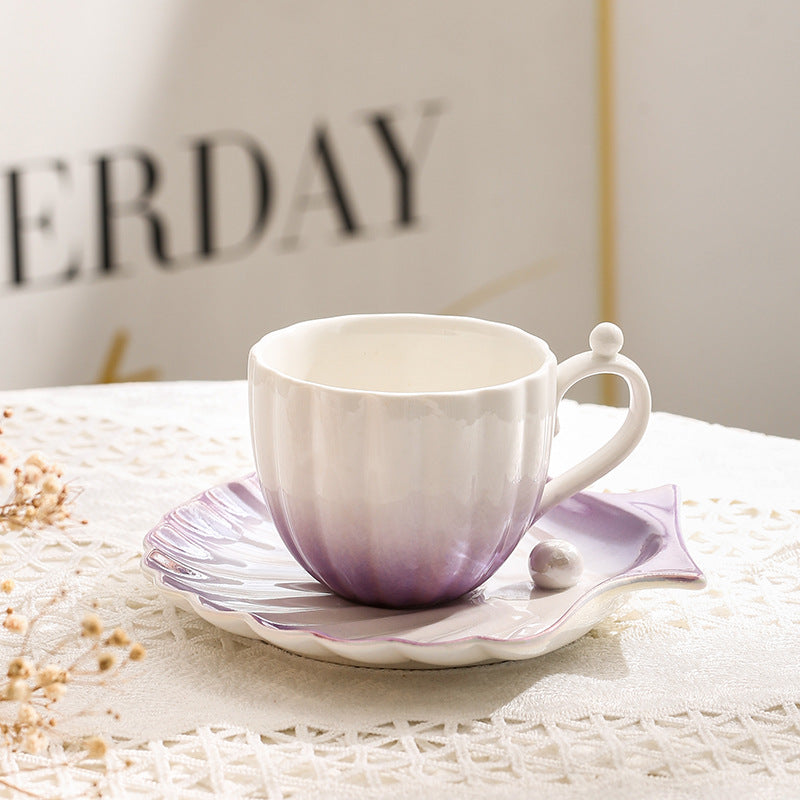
(403, 456)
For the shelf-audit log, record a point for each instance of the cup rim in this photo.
(548, 360)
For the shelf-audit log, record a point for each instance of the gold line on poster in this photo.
(606, 163)
(500, 286)
(109, 372)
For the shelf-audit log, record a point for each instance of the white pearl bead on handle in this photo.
(606, 340)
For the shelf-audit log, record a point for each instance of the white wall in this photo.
(495, 106)
(708, 151)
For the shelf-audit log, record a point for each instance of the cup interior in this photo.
(402, 353)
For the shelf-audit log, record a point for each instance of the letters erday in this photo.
(321, 186)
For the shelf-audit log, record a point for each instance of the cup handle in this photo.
(605, 342)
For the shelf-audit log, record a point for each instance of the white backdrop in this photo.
(708, 124)
(177, 178)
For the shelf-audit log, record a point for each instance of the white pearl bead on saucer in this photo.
(555, 564)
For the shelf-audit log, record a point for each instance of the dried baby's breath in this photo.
(54, 692)
(39, 495)
(17, 689)
(20, 668)
(96, 747)
(16, 623)
(27, 715)
(33, 688)
(37, 688)
(137, 652)
(92, 626)
(51, 673)
(34, 741)
(105, 661)
(118, 638)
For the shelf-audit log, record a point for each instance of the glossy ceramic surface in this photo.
(403, 456)
(220, 556)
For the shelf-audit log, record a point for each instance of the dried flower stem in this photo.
(16, 788)
(62, 593)
(31, 688)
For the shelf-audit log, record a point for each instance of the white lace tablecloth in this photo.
(678, 695)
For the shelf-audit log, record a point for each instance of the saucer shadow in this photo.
(470, 693)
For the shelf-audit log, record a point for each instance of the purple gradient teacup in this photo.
(403, 456)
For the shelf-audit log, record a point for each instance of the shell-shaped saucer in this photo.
(220, 556)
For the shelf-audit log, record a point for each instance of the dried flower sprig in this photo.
(35, 687)
(39, 495)
(31, 689)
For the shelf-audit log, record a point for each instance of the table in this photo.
(678, 694)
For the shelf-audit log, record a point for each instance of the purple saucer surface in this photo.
(220, 556)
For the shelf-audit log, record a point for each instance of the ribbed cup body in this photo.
(401, 499)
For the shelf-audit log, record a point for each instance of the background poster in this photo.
(181, 178)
